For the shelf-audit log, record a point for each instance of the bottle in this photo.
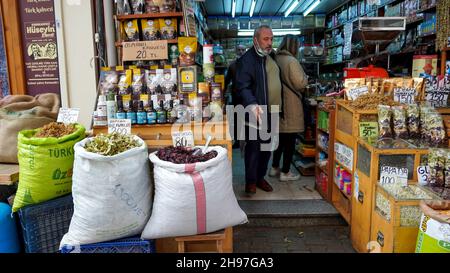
(182, 113)
(121, 114)
(161, 114)
(111, 105)
(102, 114)
(171, 113)
(131, 114)
(151, 114)
(141, 114)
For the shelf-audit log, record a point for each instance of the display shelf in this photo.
(323, 131)
(427, 9)
(341, 203)
(149, 15)
(172, 41)
(303, 155)
(332, 46)
(337, 63)
(413, 21)
(427, 35)
(323, 169)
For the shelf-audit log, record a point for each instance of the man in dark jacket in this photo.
(259, 87)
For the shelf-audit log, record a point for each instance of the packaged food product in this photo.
(125, 78)
(137, 6)
(169, 83)
(436, 163)
(209, 72)
(188, 48)
(204, 92)
(168, 28)
(168, 6)
(216, 92)
(151, 6)
(188, 79)
(384, 121)
(131, 30)
(447, 169)
(173, 54)
(150, 29)
(352, 84)
(399, 119)
(413, 120)
(138, 81)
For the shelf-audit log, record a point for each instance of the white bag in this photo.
(193, 199)
(111, 195)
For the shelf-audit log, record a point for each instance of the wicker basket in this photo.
(44, 225)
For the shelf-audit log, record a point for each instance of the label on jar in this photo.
(132, 116)
(121, 115)
(141, 118)
(151, 118)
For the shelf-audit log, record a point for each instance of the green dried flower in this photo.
(111, 144)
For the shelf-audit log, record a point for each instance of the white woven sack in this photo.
(111, 195)
(189, 202)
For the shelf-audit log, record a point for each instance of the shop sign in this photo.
(40, 47)
(68, 115)
(183, 139)
(394, 175)
(404, 95)
(354, 93)
(368, 130)
(121, 126)
(423, 174)
(145, 51)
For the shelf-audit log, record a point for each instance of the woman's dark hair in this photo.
(290, 43)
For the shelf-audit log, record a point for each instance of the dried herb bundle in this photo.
(55, 129)
(112, 144)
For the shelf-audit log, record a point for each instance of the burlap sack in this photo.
(433, 208)
(19, 113)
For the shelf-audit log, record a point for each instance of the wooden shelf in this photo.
(414, 21)
(322, 130)
(322, 169)
(149, 15)
(172, 41)
(426, 9)
(307, 156)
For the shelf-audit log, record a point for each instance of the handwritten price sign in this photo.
(353, 94)
(183, 139)
(394, 175)
(404, 95)
(121, 126)
(145, 51)
(368, 129)
(68, 116)
(423, 174)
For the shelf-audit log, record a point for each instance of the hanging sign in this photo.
(183, 139)
(145, 51)
(40, 47)
(68, 116)
(437, 97)
(121, 126)
(404, 95)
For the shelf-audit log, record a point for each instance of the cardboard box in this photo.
(424, 65)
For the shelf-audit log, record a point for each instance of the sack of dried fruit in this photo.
(193, 194)
(19, 113)
(46, 162)
(112, 192)
(434, 229)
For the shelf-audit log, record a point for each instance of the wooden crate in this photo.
(389, 227)
(9, 174)
(157, 136)
(368, 171)
(329, 169)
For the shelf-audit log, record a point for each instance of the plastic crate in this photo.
(129, 245)
(44, 225)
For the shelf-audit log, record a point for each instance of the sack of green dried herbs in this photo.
(112, 191)
(46, 159)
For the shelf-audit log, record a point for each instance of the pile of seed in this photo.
(55, 129)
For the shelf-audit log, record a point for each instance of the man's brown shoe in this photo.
(264, 185)
(250, 189)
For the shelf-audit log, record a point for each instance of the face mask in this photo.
(259, 51)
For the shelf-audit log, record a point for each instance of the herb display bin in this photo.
(396, 217)
(370, 157)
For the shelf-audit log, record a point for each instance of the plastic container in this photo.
(9, 238)
(44, 225)
(129, 245)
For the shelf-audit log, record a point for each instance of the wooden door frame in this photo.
(13, 45)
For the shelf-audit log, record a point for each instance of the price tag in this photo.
(437, 97)
(183, 139)
(121, 126)
(145, 50)
(404, 95)
(368, 129)
(68, 115)
(353, 94)
(423, 174)
(394, 175)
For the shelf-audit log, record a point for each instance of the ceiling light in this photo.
(313, 6)
(252, 8)
(276, 32)
(233, 12)
(291, 8)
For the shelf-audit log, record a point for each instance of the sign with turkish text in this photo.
(68, 116)
(404, 95)
(183, 139)
(393, 175)
(145, 50)
(368, 129)
(121, 126)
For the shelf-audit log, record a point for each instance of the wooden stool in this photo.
(218, 236)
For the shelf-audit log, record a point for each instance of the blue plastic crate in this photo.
(129, 245)
(44, 225)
